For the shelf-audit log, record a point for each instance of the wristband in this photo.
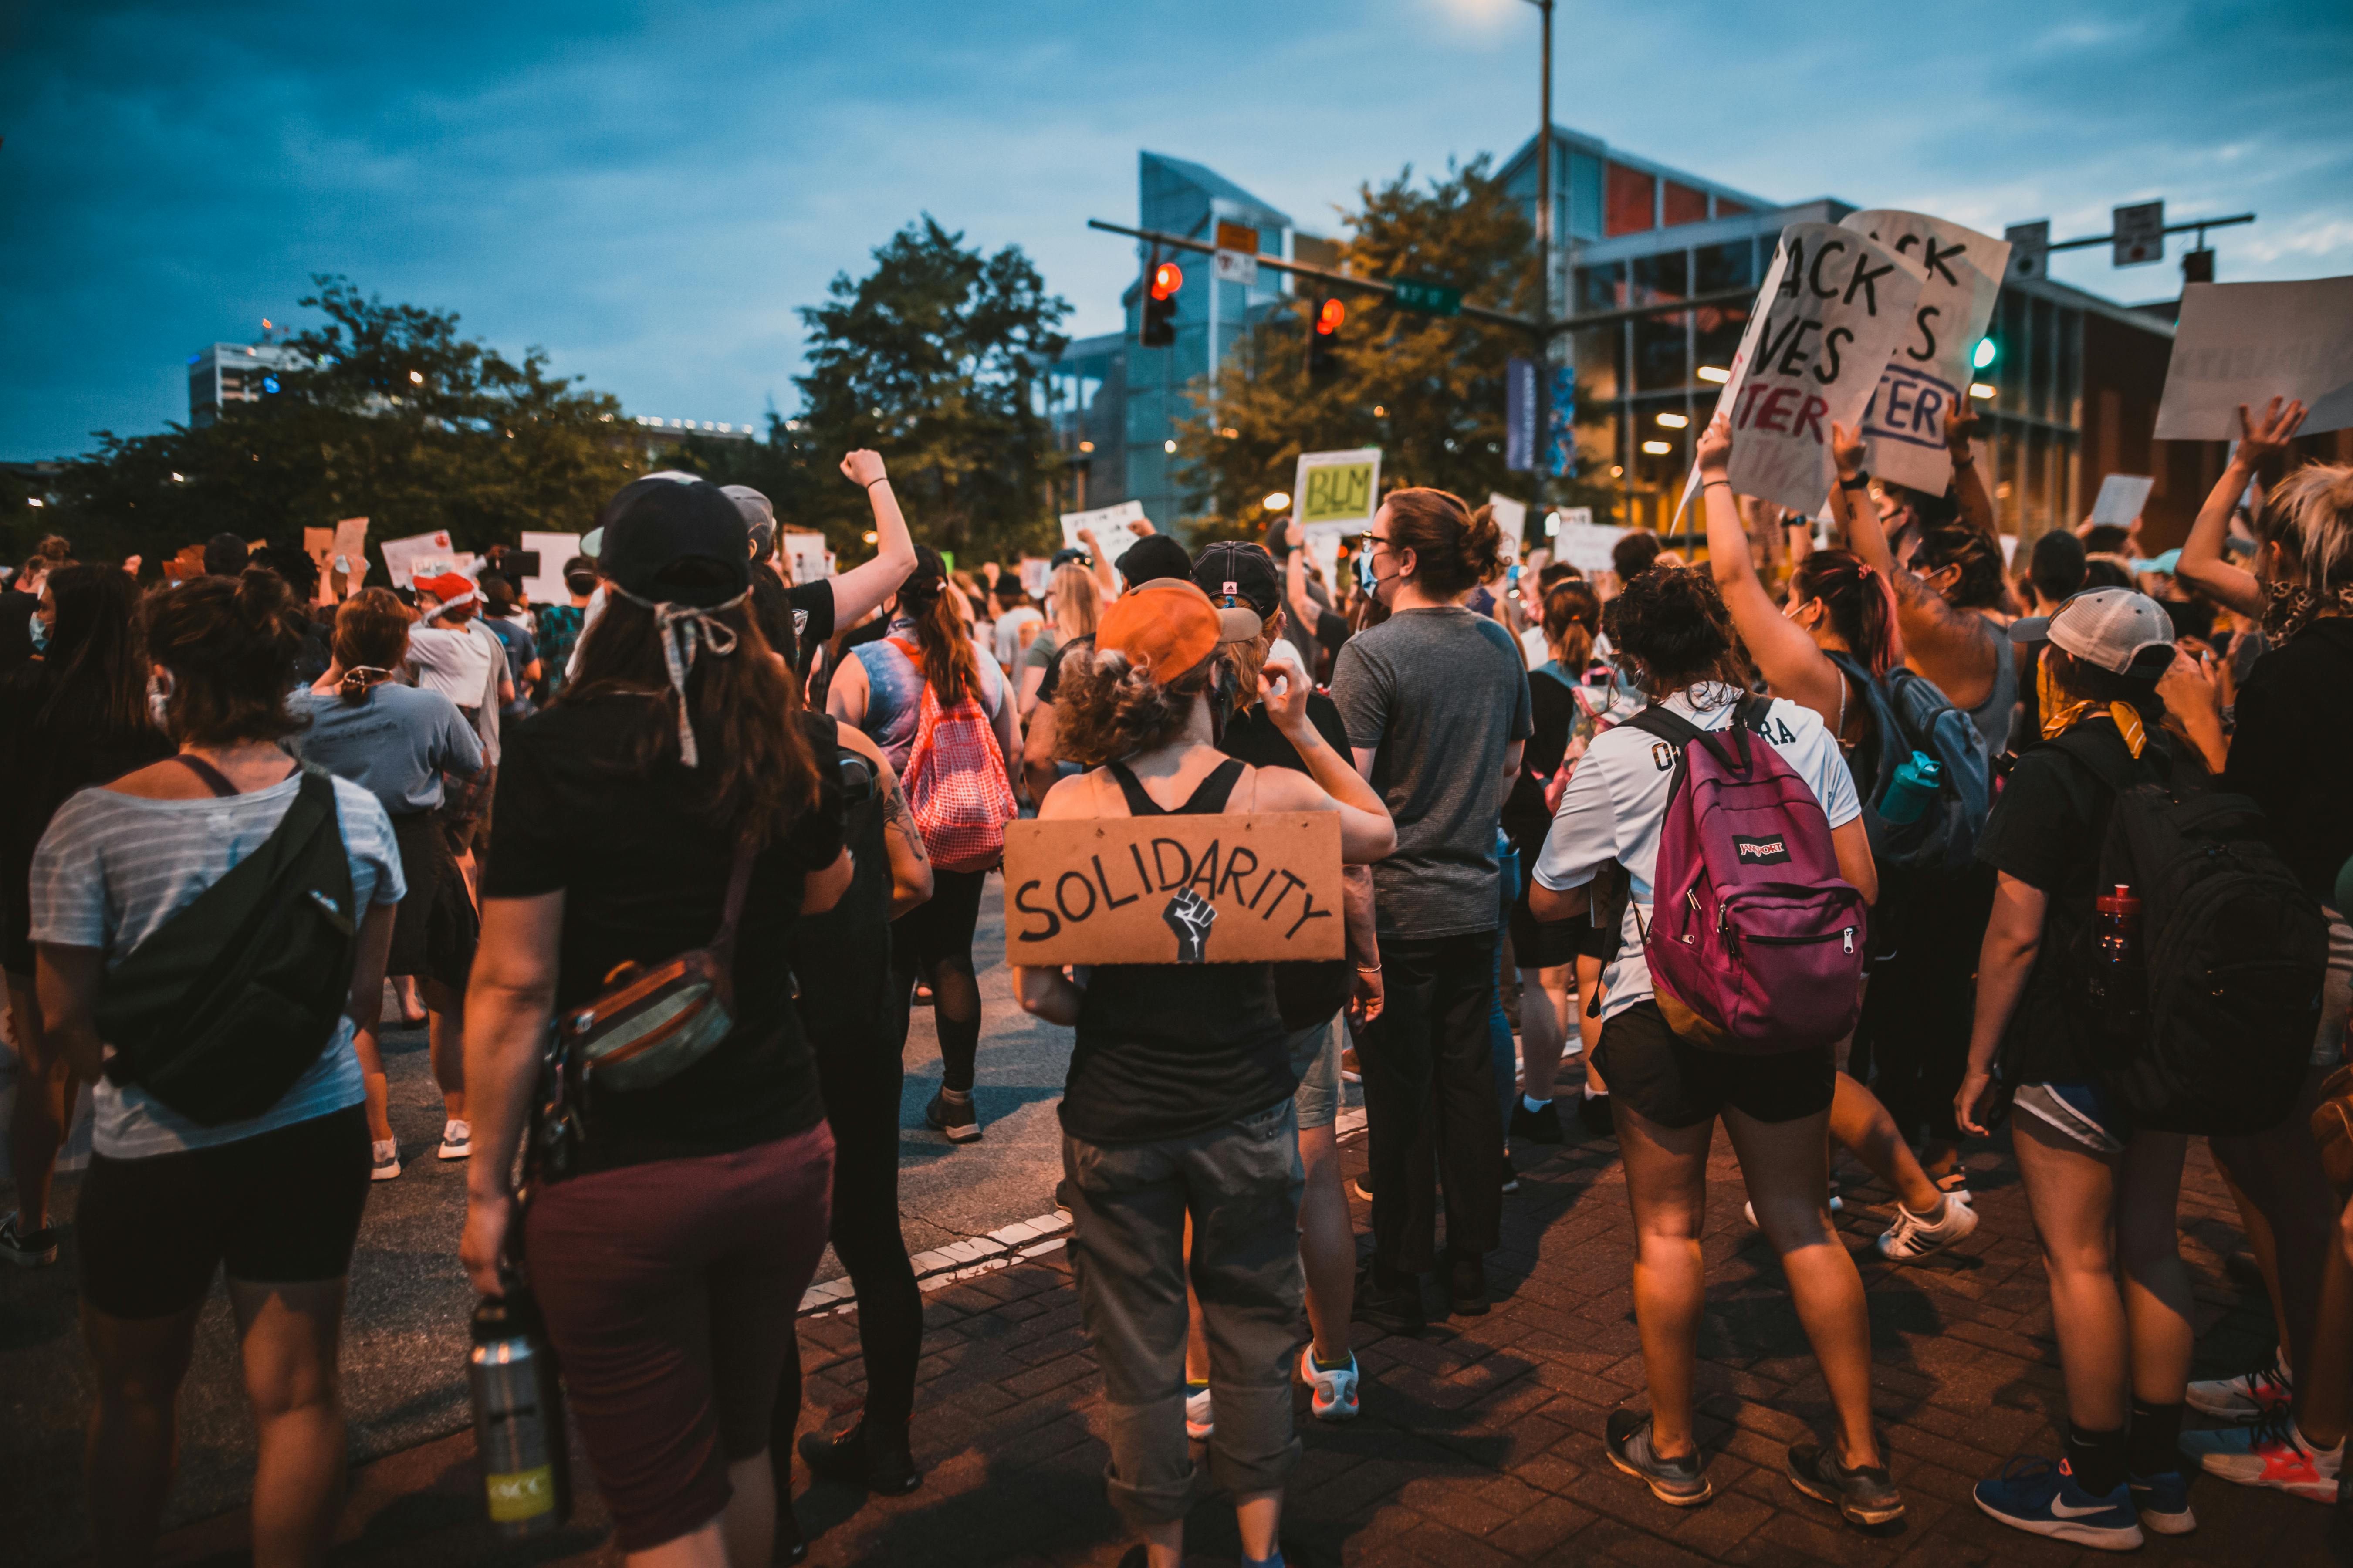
(1710, 484)
(1372, 969)
(883, 480)
(1860, 482)
(1964, 460)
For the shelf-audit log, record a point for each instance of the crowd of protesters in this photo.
(716, 833)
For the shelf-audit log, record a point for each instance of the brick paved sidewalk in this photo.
(1479, 1441)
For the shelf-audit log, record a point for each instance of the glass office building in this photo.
(1635, 233)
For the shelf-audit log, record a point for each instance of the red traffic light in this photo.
(1328, 319)
(1167, 278)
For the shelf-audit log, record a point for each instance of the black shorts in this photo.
(1662, 1079)
(434, 930)
(1542, 944)
(282, 1208)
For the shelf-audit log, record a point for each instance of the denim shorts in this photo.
(1315, 1058)
(2085, 1113)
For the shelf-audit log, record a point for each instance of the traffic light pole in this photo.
(1544, 252)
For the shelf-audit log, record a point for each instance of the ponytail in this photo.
(1860, 605)
(1572, 614)
(951, 665)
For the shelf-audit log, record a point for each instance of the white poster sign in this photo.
(1904, 428)
(1033, 575)
(1836, 304)
(1323, 553)
(555, 549)
(1234, 267)
(1511, 517)
(1585, 545)
(2121, 498)
(1338, 490)
(419, 555)
(805, 556)
(2250, 342)
(1114, 528)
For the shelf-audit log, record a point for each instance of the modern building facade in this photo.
(228, 373)
(2075, 377)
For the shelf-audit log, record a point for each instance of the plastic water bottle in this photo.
(518, 1418)
(2115, 953)
(1919, 778)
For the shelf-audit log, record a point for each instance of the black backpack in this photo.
(2231, 952)
(231, 1000)
(1911, 714)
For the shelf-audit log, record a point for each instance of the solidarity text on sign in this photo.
(1829, 315)
(1961, 270)
(1174, 890)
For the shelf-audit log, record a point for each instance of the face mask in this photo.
(40, 630)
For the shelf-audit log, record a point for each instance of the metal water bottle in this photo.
(519, 1424)
(1917, 780)
(2115, 956)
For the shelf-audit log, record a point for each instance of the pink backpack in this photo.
(1755, 943)
(955, 781)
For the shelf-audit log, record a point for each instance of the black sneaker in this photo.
(1593, 1115)
(1394, 1309)
(1466, 1286)
(1675, 1482)
(27, 1248)
(1537, 1126)
(1866, 1495)
(883, 1466)
(960, 1123)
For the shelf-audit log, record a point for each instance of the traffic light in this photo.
(1321, 363)
(1985, 352)
(1160, 305)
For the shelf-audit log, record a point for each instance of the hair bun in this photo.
(1482, 544)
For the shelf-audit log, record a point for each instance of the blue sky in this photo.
(647, 191)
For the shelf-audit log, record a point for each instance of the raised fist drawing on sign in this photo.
(1189, 915)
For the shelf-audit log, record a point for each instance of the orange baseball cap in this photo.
(1167, 626)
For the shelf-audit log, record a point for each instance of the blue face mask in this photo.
(40, 630)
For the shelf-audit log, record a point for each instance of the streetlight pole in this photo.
(1544, 252)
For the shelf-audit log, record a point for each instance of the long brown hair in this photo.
(950, 663)
(1861, 607)
(371, 639)
(96, 667)
(1572, 614)
(230, 646)
(757, 772)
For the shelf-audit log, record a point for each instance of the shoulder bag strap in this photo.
(739, 883)
(214, 780)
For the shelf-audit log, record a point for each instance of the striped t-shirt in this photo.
(113, 867)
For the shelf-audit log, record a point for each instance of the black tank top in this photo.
(1166, 1050)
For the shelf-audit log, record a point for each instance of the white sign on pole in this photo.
(1114, 528)
(419, 555)
(1511, 517)
(555, 549)
(1833, 308)
(2121, 498)
(1338, 490)
(2250, 342)
(2030, 247)
(806, 556)
(1233, 266)
(2140, 234)
(1323, 553)
(1904, 428)
(1584, 545)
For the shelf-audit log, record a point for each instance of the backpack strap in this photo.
(1679, 733)
(1551, 666)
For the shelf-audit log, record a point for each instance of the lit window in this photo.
(1982, 391)
(1716, 373)
(1658, 448)
(1674, 421)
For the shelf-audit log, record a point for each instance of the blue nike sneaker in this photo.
(2043, 1498)
(2163, 1503)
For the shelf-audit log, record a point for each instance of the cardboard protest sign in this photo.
(546, 587)
(1834, 307)
(1338, 492)
(1961, 272)
(2250, 342)
(1114, 528)
(2121, 498)
(1174, 890)
(1511, 517)
(318, 544)
(419, 556)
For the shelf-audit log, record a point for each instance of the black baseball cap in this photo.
(1154, 555)
(674, 542)
(1234, 573)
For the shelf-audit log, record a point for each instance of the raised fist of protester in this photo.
(2265, 437)
(1961, 423)
(1714, 454)
(1294, 534)
(1846, 449)
(862, 467)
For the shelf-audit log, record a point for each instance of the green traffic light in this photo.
(1986, 351)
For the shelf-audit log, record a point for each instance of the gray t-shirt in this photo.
(396, 744)
(1438, 695)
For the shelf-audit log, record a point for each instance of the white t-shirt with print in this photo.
(1617, 799)
(112, 869)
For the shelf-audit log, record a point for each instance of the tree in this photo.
(1426, 390)
(931, 359)
(397, 418)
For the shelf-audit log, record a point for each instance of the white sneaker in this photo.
(1199, 1419)
(2271, 1451)
(2246, 1397)
(1335, 1387)
(1912, 1236)
(386, 1155)
(457, 1139)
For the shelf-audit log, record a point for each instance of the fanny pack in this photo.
(651, 1022)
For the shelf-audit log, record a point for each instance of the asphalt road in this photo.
(405, 1330)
